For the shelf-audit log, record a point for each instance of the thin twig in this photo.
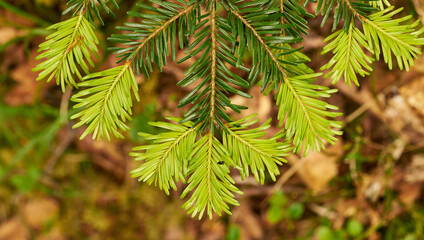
(64, 143)
(285, 177)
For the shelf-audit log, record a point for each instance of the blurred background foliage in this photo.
(53, 186)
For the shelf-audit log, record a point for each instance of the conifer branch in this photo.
(213, 185)
(203, 146)
(345, 10)
(380, 4)
(379, 29)
(151, 44)
(248, 150)
(165, 161)
(293, 13)
(298, 101)
(305, 116)
(213, 67)
(108, 113)
(73, 42)
(160, 29)
(106, 103)
(281, 6)
(401, 40)
(209, 97)
(89, 8)
(349, 57)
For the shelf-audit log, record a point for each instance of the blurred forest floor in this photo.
(53, 186)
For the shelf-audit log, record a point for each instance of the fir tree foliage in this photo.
(210, 97)
(203, 161)
(307, 118)
(167, 158)
(90, 8)
(218, 36)
(395, 38)
(293, 13)
(71, 45)
(380, 4)
(344, 10)
(249, 150)
(349, 59)
(213, 188)
(381, 34)
(145, 43)
(298, 100)
(106, 101)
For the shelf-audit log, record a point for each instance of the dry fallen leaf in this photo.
(409, 193)
(24, 92)
(372, 185)
(405, 111)
(13, 229)
(415, 170)
(38, 212)
(413, 93)
(8, 33)
(261, 105)
(320, 167)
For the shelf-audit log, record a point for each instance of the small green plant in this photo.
(279, 210)
(352, 230)
(200, 147)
